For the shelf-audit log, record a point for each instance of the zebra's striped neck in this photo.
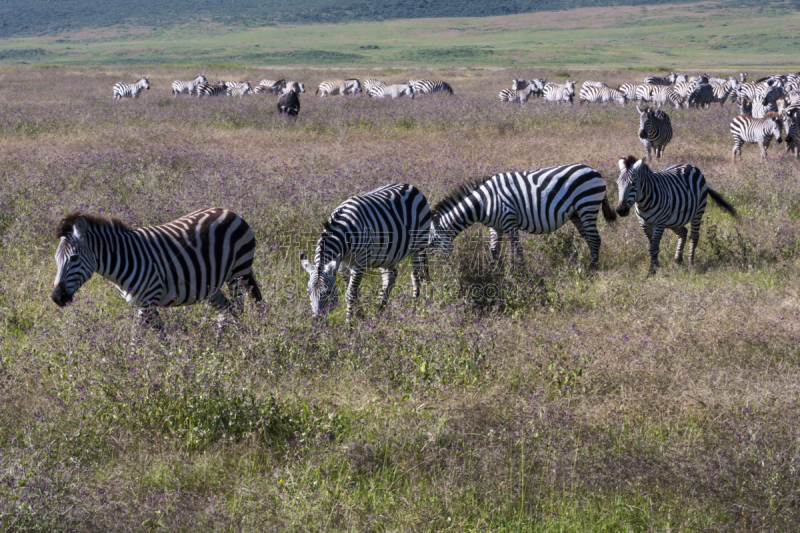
(460, 210)
(332, 243)
(119, 251)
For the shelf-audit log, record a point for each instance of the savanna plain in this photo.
(544, 399)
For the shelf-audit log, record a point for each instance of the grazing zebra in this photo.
(761, 131)
(187, 87)
(374, 230)
(554, 92)
(289, 103)
(130, 91)
(594, 93)
(517, 95)
(395, 91)
(237, 88)
(666, 200)
(334, 87)
(702, 95)
(667, 80)
(655, 130)
(178, 263)
(661, 94)
(369, 83)
(206, 89)
(629, 90)
(538, 201)
(270, 86)
(430, 86)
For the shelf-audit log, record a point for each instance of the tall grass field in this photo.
(546, 399)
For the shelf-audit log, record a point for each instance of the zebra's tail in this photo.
(252, 284)
(609, 214)
(720, 201)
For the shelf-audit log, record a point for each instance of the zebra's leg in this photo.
(389, 276)
(236, 286)
(694, 236)
(737, 149)
(763, 147)
(655, 244)
(148, 315)
(647, 147)
(218, 301)
(495, 238)
(351, 295)
(681, 233)
(515, 248)
(419, 271)
(587, 227)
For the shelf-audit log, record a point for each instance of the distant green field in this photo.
(696, 35)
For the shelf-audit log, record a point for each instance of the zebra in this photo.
(722, 91)
(130, 91)
(178, 263)
(237, 88)
(702, 95)
(593, 93)
(684, 89)
(681, 78)
(517, 95)
(539, 201)
(629, 90)
(590, 83)
(334, 87)
(295, 86)
(743, 77)
(667, 80)
(187, 87)
(790, 118)
(645, 92)
(554, 92)
(289, 103)
(374, 230)
(655, 130)
(666, 200)
(748, 129)
(661, 94)
(369, 83)
(270, 86)
(538, 84)
(430, 86)
(395, 91)
(206, 89)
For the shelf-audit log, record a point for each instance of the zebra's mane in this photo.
(66, 225)
(630, 161)
(456, 196)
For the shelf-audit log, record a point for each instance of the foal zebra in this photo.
(666, 200)
(595, 93)
(187, 87)
(430, 86)
(334, 87)
(374, 230)
(178, 263)
(130, 91)
(518, 95)
(655, 130)
(761, 131)
(538, 201)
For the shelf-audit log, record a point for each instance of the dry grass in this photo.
(572, 402)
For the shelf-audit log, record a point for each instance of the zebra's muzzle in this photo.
(623, 210)
(60, 295)
(642, 134)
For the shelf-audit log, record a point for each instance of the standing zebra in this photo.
(206, 89)
(375, 230)
(130, 91)
(270, 86)
(187, 87)
(761, 131)
(655, 80)
(594, 93)
(790, 118)
(538, 201)
(661, 94)
(554, 92)
(629, 90)
(334, 87)
(237, 88)
(517, 95)
(655, 130)
(178, 263)
(702, 95)
(289, 103)
(430, 86)
(395, 91)
(538, 84)
(666, 200)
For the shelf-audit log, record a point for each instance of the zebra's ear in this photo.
(622, 163)
(305, 263)
(638, 164)
(79, 227)
(639, 110)
(333, 266)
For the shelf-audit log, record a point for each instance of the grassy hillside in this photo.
(698, 35)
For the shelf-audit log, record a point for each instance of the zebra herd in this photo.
(187, 260)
